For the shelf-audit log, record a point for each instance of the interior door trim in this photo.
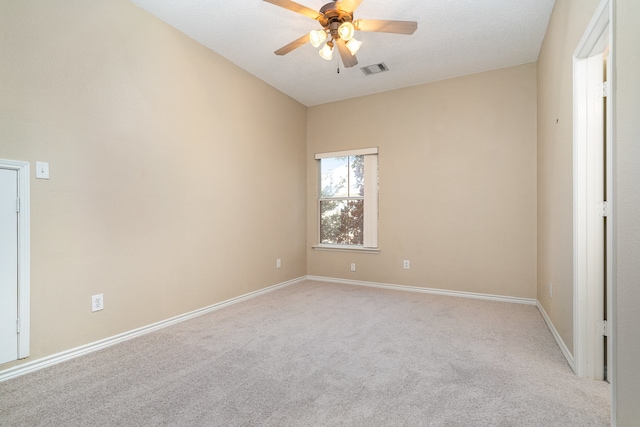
(24, 252)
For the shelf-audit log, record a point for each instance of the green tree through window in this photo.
(342, 200)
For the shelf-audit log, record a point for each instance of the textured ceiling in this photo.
(454, 38)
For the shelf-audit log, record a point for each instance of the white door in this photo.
(8, 265)
(595, 204)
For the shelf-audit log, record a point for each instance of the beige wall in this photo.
(457, 168)
(176, 180)
(568, 23)
(627, 213)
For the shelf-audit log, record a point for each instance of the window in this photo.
(348, 199)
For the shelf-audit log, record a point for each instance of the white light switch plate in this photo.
(42, 170)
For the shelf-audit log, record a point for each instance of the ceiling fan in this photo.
(338, 27)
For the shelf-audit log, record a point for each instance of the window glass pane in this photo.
(334, 173)
(341, 222)
(356, 176)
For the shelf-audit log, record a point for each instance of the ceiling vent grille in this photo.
(374, 69)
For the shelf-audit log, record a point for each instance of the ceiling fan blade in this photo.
(293, 45)
(348, 59)
(378, 25)
(348, 5)
(295, 7)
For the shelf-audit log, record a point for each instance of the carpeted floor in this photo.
(317, 354)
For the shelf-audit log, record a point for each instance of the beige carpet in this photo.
(322, 354)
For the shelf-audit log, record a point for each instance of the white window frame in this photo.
(370, 226)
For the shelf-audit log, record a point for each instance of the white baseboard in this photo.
(98, 345)
(565, 351)
(490, 297)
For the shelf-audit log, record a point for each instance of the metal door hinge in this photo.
(17, 326)
(18, 205)
(605, 89)
(603, 209)
(603, 328)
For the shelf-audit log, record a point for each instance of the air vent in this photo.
(374, 69)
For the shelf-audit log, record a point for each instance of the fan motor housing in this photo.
(332, 17)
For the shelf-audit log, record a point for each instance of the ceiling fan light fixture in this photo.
(346, 30)
(326, 52)
(316, 37)
(353, 45)
(338, 26)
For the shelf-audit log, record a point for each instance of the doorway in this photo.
(14, 260)
(593, 202)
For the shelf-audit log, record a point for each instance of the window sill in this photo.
(346, 248)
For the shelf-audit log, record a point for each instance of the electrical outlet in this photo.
(97, 302)
(278, 263)
(353, 266)
(550, 290)
(405, 264)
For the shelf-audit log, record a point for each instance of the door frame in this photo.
(597, 39)
(24, 252)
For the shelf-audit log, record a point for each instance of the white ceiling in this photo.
(454, 38)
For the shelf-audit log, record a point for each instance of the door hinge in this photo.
(603, 208)
(18, 205)
(17, 326)
(603, 328)
(605, 89)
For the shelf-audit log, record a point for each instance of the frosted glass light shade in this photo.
(353, 45)
(346, 30)
(326, 52)
(316, 37)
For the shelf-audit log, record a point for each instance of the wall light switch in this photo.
(42, 170)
